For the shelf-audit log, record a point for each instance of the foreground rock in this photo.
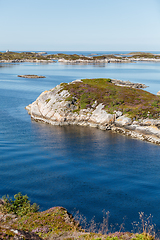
(61, 106)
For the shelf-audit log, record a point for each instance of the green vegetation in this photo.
(136, 237)
(20, 206)
(69, 57)
(143, 55)
(27, 218)
(46, 223)
(72, 57)
(22, 56)
(135, 103)
(47, 101)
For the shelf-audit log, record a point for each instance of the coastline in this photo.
(15, 57)
(81, 61)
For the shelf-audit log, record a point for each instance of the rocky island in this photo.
(103, 103)
(31, 76)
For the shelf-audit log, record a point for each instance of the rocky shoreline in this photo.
(82, 61)
(54, 107)
(107, 60)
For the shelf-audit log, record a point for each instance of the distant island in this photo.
(14, 57)
(31, 76)
(107, 104)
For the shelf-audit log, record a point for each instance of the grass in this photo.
(135, 103)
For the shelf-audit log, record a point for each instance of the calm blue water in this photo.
(76, 167)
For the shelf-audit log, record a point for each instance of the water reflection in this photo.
(94, 64)
(9, 65)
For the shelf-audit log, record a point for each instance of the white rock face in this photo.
(158, 93)
(100, 116)
(149, 122)
(51, 107)
(118, 113)
(123, 121)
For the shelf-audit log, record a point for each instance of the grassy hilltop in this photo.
(135, 103)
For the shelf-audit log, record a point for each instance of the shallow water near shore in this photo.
(80, 168)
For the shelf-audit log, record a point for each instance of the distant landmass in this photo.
(75, 58)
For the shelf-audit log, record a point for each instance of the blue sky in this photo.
(66, 25)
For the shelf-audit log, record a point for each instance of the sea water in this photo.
(79, 168)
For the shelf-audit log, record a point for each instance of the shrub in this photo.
(20, 206)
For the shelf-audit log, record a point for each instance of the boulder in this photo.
(123, 121)
(148, 122)
(100, 116)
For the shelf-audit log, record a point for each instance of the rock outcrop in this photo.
(55, 107)
(128, 84)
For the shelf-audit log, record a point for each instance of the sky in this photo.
(80, 25)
